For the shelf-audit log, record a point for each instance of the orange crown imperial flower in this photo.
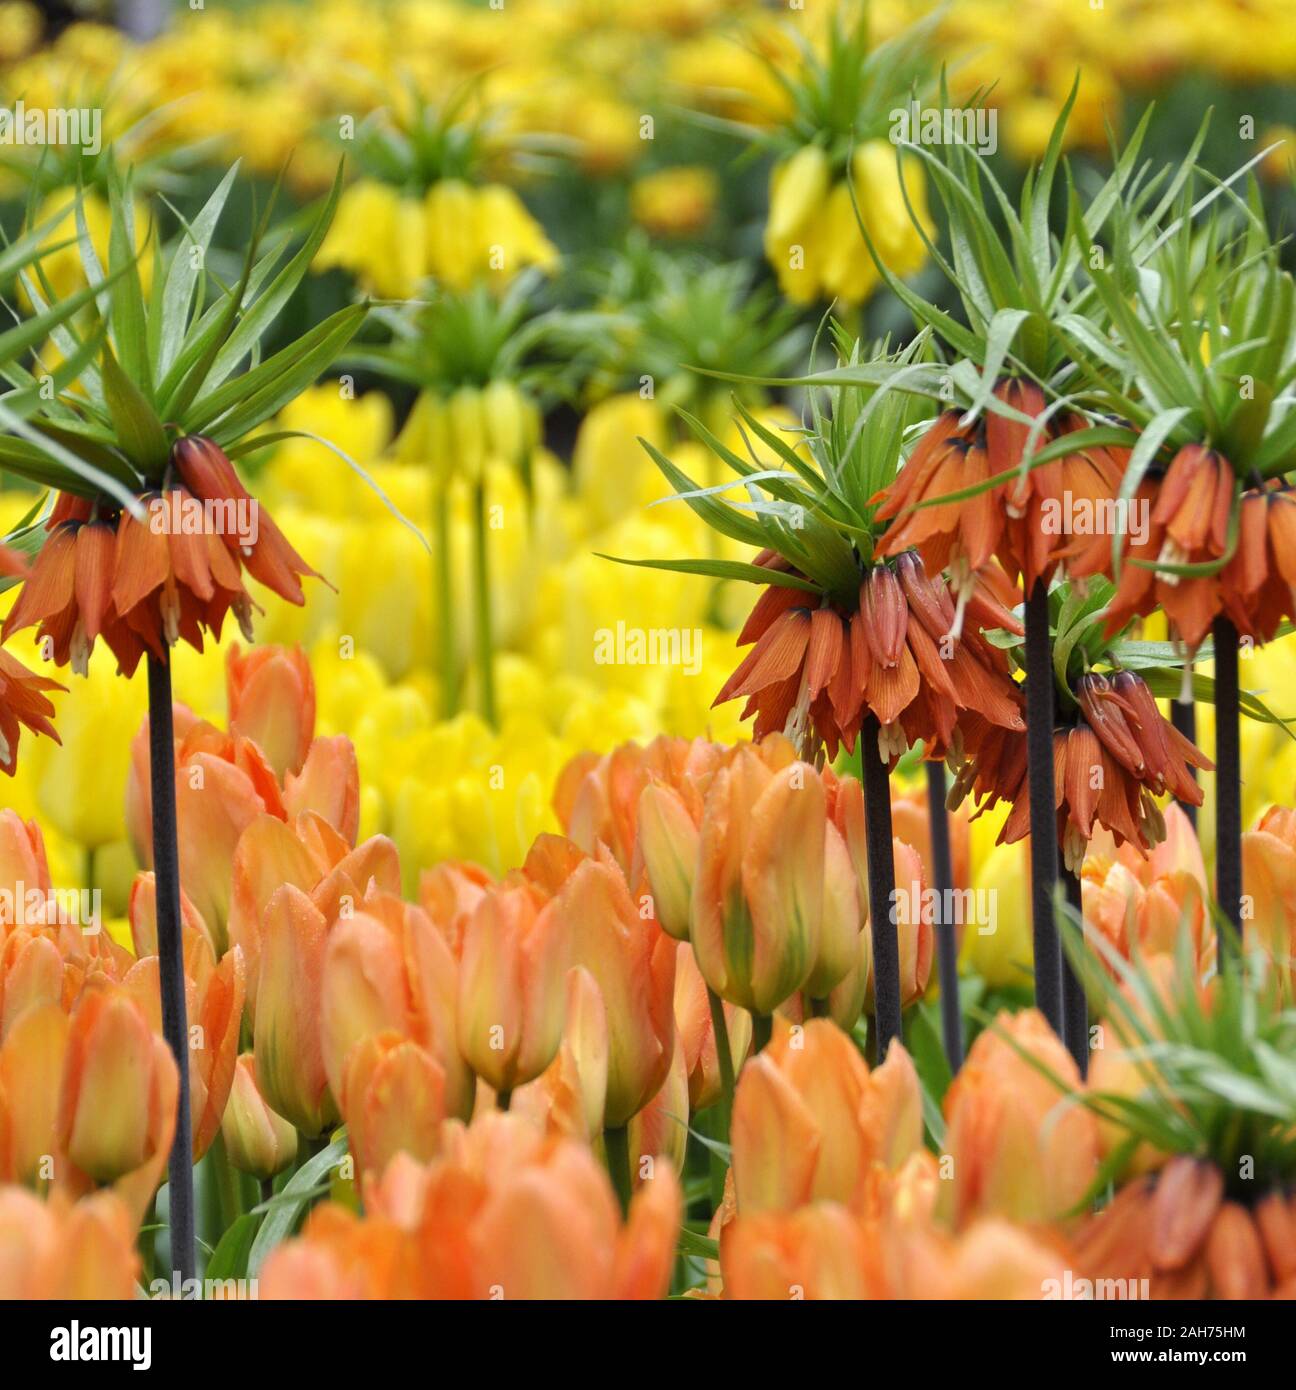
(898, 654)
(1108, 768)
(145, 584)
(1258, 585)
(1191, 513)
(22, 698)
(1010, 519)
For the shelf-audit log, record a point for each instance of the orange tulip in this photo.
(213, 1005)
(1269, 874)
(117, 1100)
(1144, 905)
(816, 1252)
(311, 855)
(58, 1249)
(388, 969)
(31, 974)
(504, 1212)
(22, 859)
(257, 1140)
(448, 893)
(141, 913)
(758, 895)
(810, 1119)
(222, 785)
(329, 785)
(1018, 1149)
(597, 799)
(289, 1056)
(31, 1073)
(516, 951)
(271, 698)
(569, 1096)
(393, 1098)
(910, 912)
(992, 1259)
(911, 823)
(633, 963)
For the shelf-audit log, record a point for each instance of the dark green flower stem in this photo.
(617, 1143)
(1043, 817)
(175, 1025)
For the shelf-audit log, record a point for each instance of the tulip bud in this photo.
(909, 912)
(529, 1207)
(289, 1058)
(569, 1096)
(1019, 1150)
(107, 1092)
(510, 1015)
(668, 843)
(117, 1100)
(271, 698)
(633, 962)
(758, 896)
(269, 854)
(848, 997)
(911, 823)
(257, 1140)
(448, 893)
